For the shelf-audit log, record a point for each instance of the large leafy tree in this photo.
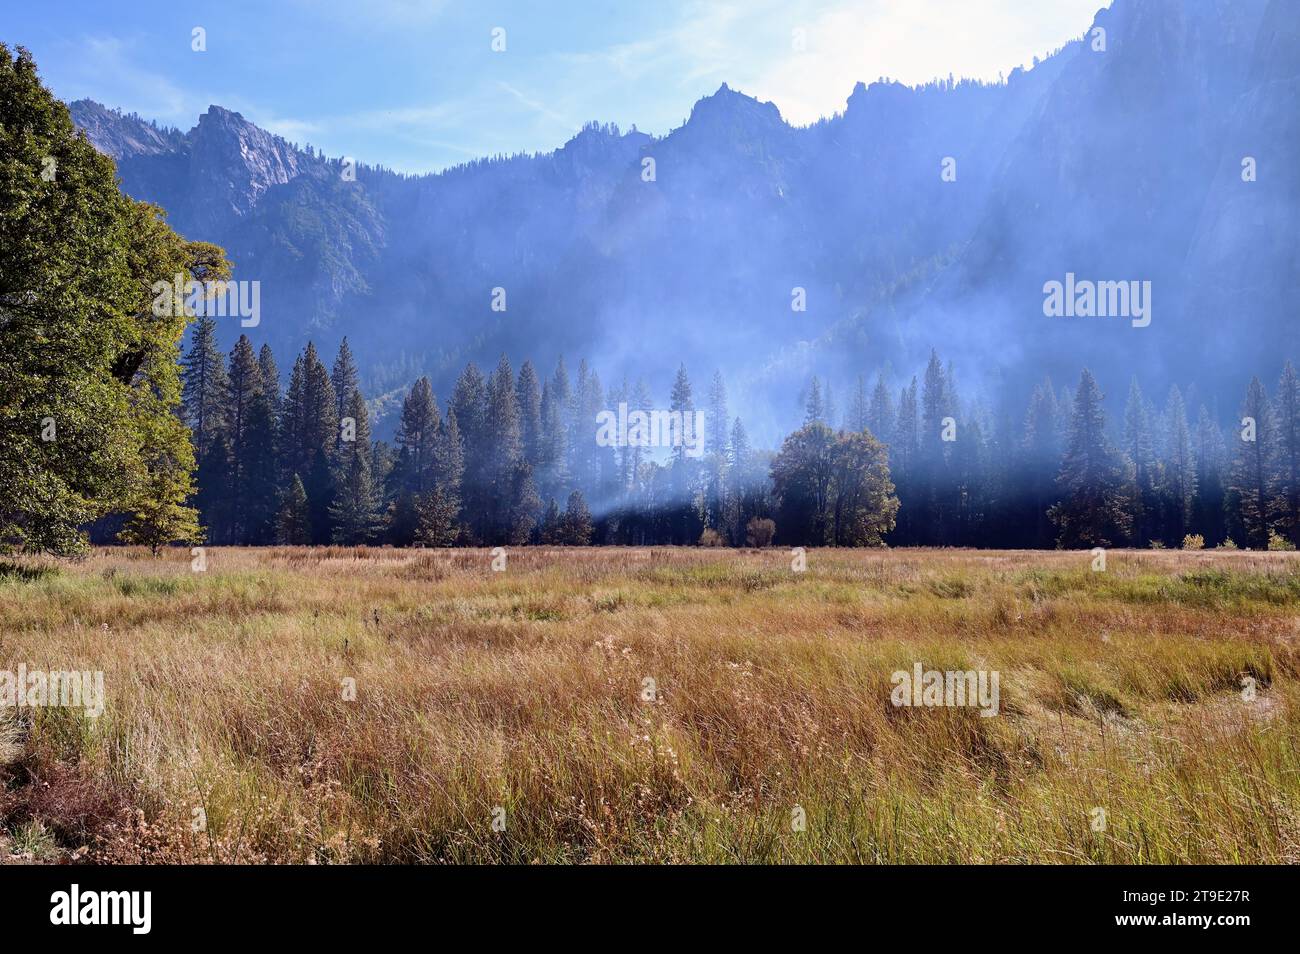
(833, 490)
(88, 365)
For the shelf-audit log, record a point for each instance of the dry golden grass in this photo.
(522, 691)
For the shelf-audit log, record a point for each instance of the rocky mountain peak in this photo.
(119, 135)
(241, 161)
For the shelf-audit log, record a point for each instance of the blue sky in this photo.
(415, 84)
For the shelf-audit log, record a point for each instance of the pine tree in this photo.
(205, 385)
(1091, 512)
(1253, 464)
(739, 497)
(412, 474)
(715, 460)
(716, 426)
(904, 453)
(293, 524)
(550, 530)
(1139, 445)
(448, 472)
(576, 527)
(1179, 469)
(880, 413)
(930, 471)
(310, 427)
(204, 394)
(553, 453)
(1211, 457)
(589, 459)
(436, 521)
(417, 432)
(469, 402)
(261, 471)
(343, 378)
(686, 521)
(814, 408)
(501, 457)
(641, 401)
(681, 401)
(969, 471)
(1284, 505)
(248, 432)
(292, 451)
(354, 511)
(528, 395)
(270, 378)
(525, 505)
(859, 417)
(358, 414)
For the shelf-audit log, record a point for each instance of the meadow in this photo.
(345, 705)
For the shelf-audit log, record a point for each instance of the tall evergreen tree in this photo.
(880, 413)
(1284, 504)
(1179, 469)
(528, 395)
(551, 473)
(1041, 460)
(250, 432)
(717, 423)
(1139, 445)
(293, 524)
(859, 413)
(412, 475)
(904, 454)
(205, 386)
(1253, 462)
(469, 400)
(1211, 462)
(814, 407)
(1091, 512)
(354, 507)
(931, 467)
(501, 458)
(686, 520)
(270, 377)
(575, 525)
(310, 428)
(343, 378)
(416, 436)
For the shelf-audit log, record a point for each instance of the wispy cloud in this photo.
(536, 105)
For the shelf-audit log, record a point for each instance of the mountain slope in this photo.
(1122, 164)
